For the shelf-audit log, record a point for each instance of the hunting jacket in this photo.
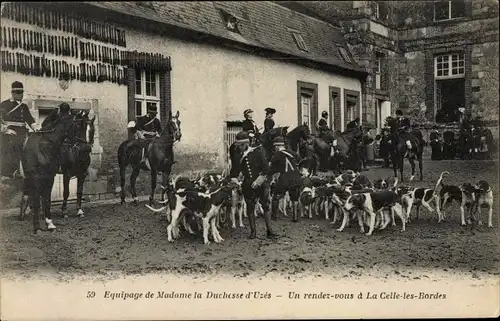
(146, 123)
(249, 125)
(323, 125)
(251, 164)
(13, 111)
(285, 162)
(268, 124)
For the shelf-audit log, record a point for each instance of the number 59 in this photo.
(90, 294)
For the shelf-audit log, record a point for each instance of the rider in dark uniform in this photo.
(147, 127)
(15, 121)
(250, 127)
(285, 162)
(64, 109)
(269, 121)
(252, 163)
(323, 124)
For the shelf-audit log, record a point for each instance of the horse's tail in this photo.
(440, 180)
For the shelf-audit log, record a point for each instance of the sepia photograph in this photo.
(249, 160)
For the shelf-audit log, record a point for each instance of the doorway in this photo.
(450, 96)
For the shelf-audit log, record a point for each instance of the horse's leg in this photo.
(395, 162)
(401, 167)
(79, 193)
(122, 183)
(133, 178)
(35, 204)
(153, 187)
(46, 191)
(412, 164)
(66, 179)
(420, 166)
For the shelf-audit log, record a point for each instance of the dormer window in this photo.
(230, 21)
(345, 55)
(299, 40)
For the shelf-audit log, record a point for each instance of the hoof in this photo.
(122, 202)
(252, 236)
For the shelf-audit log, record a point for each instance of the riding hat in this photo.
(131, 124)
(242, 137)
(324, 113)
(64, 107)
(17, 86)
(152, 109)
(270, 111)
(247, 111)
(279, 141)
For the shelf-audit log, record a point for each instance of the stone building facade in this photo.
(428, 58)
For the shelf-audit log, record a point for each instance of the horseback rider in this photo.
(250, 127)
(15, 122)
(64, 109)
(269, 121)
(285, 162)
(146, 128)
(323, 127)
(253, 164)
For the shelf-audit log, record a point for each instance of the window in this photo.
(378, 71)
(305, 104)
(450, 66)
(352, 107)
(376, 10)
(230, 20)
(147, 91)
(447, 10)
(345, 55)
(335, 112)
(350, 111)
(301, 44)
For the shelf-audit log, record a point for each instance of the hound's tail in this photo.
(440, 180)
(396, 181)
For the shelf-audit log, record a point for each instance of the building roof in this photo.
(262, 24)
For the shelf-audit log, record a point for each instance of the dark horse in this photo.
(40, 165)
(296, 136)
(405, 145)
(75, 158)
(345, 142)
(159, 152)
(267, 138)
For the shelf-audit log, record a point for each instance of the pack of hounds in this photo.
(205, 202)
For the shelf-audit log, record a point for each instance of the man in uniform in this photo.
(269, 121)
(147, 127)
(249, 125)
(64, 109)
(253, 164)
(285, 162)
(15, 121)
(323, 123)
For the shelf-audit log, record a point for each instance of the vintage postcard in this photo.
(249, 160)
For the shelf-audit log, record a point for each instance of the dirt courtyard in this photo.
(132, 240)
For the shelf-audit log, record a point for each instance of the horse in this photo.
(160, 154)
(75, 159)
(400, 149)
(294, 137)
(343, 140)
(267, 138)
(39, 165)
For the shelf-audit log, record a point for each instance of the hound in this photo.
(421, 196)
(448, 194)
(373, 203)
(347, 177)
(469, 195)
(484, 198)
(204, 206)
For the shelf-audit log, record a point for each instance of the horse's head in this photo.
(85, 126)
(173, 126)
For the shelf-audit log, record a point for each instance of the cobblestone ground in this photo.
(132, 240)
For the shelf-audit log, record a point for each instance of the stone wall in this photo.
(485, 80)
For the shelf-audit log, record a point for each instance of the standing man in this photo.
(269, 121)
(285, 162)
(249, 125)
(15, 121)
(252, 163)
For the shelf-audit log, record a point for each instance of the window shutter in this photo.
(337, 113)
(384, 81)
(130, 74)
